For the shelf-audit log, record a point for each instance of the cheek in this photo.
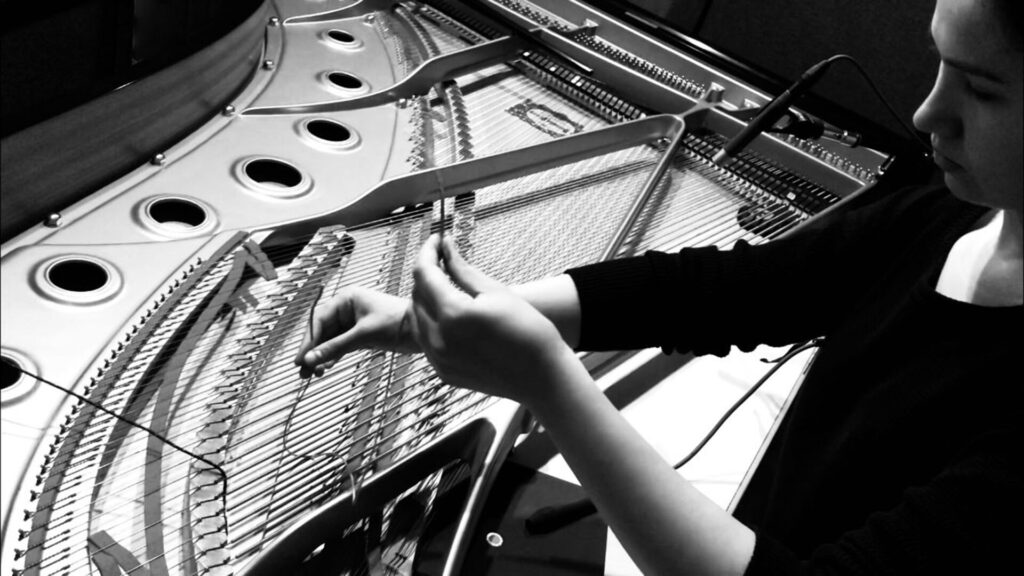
(993, 146)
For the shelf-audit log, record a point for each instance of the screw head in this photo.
(494, 540)
(229, 110)
(53, 220)
(274, 21)
(268, 64)
(369, 18)
(158, 160)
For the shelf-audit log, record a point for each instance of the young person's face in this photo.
(974, 112)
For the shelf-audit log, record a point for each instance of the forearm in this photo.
(666, 525)
(556, 299)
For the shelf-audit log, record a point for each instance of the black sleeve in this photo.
(966, 520)
(705, 300)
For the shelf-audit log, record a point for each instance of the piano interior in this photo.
(153, 420)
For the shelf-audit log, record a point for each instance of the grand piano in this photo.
(165, 242)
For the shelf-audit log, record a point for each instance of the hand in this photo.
(354, 319)
(482, 337)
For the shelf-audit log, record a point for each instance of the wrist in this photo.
(404, 338)
(564, 379)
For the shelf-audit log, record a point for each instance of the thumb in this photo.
(465, 276)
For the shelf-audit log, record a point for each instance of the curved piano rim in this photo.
(57, 162)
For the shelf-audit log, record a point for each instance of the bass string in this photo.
(369, 268)
(164, 439)
(442, 220)
(291, 504)
(291, 507)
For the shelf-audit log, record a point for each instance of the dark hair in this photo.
(1010, 16)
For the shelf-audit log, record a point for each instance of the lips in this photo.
(942, 161)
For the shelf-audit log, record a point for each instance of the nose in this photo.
(938, 113)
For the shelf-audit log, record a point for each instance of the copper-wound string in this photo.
(271, 382)
(442, 220)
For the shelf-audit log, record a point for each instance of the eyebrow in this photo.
(969, 68)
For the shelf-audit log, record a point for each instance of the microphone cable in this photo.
(779, 106)
(550, 518)
(914, 135)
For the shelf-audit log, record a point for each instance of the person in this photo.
(902, 450)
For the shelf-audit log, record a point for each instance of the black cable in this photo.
(702, 17)
(161, 437)
(885, 102)
(551, 518)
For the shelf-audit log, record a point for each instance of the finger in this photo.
(333, 349)
(466, 276)
(308, 336)
(322, 322)
(431, 288)
(325, 318)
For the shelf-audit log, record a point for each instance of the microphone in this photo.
(770, 113)
(812, 128)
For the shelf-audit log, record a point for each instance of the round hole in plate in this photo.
(346, 81)
(341, 36)
(177, 212)
(273, 172)
(9, 372)
(77, 275)
(329, 130)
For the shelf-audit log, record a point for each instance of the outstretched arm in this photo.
(486, 337)
(358, 318)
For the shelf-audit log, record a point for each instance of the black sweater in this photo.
(902, 452)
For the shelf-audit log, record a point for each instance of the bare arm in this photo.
(489, 339)
(665, 524)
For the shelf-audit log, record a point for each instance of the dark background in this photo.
(61, 53)
(58, 54)
(781, 39)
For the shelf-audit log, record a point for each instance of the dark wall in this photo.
(55, 57)
(89, 110)
(783, 38)
(58, 54)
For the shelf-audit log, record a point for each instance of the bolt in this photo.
(274, 21)
(268, 64)
(369, 18)
(53, 221)
(158, 160)
(229, 110)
